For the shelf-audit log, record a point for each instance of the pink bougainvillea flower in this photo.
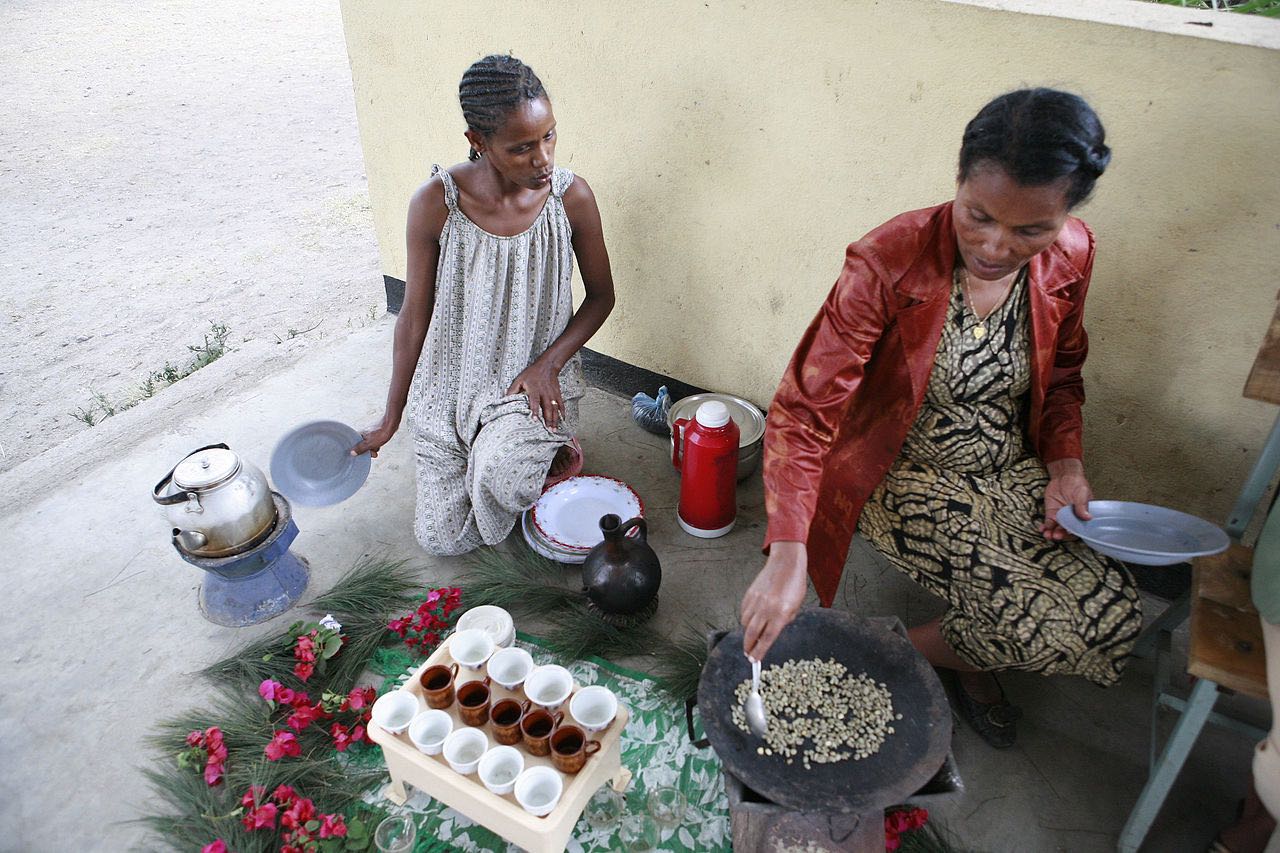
(904, 820)
(899, 821)
(253, 796)
(304, 670)
(213, 773)
(277, 693)
(263, 817)
(300, 698)
(215, 846)
(332, 826)
(283, 743)
(341, 736)
(305, 716)
(284, 794)
(304, 650)
(195, 738)
(360, 697)
(298, 813)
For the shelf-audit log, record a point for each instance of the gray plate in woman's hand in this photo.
(313, 465)
(1144, 534)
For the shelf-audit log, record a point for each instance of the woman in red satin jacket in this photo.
(934, 405)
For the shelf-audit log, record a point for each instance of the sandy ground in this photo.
(165, 166)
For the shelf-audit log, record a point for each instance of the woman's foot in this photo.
(564, 459)
(567, 463)
(981, 702)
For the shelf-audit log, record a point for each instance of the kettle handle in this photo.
(677, 441)
(634, 523)
(179, 497)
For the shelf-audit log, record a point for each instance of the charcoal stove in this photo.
(837, 807)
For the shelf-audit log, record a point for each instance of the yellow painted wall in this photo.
(736, 148)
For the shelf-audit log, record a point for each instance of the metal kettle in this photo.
(218, 504)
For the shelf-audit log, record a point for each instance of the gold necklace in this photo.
(980, 328)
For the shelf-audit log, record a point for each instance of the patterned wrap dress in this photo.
(500, 302)
(959, 512)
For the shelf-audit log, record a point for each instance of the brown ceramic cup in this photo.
(437, 685)
(473, 702)
(570, 748)
(506, 715)
(536, 727)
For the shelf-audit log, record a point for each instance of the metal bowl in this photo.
(745, 414)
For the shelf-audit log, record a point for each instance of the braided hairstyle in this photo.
(491, 88)
(1039, 136)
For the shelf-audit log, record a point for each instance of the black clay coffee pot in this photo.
(621, 575)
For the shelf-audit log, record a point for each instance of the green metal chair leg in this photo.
(1199, 704)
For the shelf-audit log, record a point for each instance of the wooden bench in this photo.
(1226, 633)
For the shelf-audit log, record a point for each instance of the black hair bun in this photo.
(1097, 159)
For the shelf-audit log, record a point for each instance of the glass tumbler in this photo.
(667, 806)
(604, 808)
(639, 834)
(395, 834)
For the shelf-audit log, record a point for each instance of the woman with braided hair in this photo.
(486, 345)
(934, 405)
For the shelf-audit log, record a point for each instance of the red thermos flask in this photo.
(705, 451)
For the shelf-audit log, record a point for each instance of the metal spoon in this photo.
(755, 704)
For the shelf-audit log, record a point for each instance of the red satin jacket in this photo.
(859, 375)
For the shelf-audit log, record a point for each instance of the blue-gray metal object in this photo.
(255, 586)
(1254, 487)
(1199, 705)
(313, 464)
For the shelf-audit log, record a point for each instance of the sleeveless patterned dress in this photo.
(960, 512)
(500, 302)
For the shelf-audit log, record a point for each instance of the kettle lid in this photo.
(206, 468)
(712, 414)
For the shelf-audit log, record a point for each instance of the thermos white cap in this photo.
(712, 414)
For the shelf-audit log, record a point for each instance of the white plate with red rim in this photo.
(568, 514)
(544, 549)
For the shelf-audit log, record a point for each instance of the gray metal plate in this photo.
(313, 465)
(1143, 533)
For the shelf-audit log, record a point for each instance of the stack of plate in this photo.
(1144, 534)
(564, 525)
(493, 620)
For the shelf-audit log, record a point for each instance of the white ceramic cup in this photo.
(538, 790)
(471, 647)
(548, 686)
(500, 767)
(395, 710)
(464, 748)
(594, 707)
(510, 667)
(429, 729)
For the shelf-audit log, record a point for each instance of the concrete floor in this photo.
(102, 632)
